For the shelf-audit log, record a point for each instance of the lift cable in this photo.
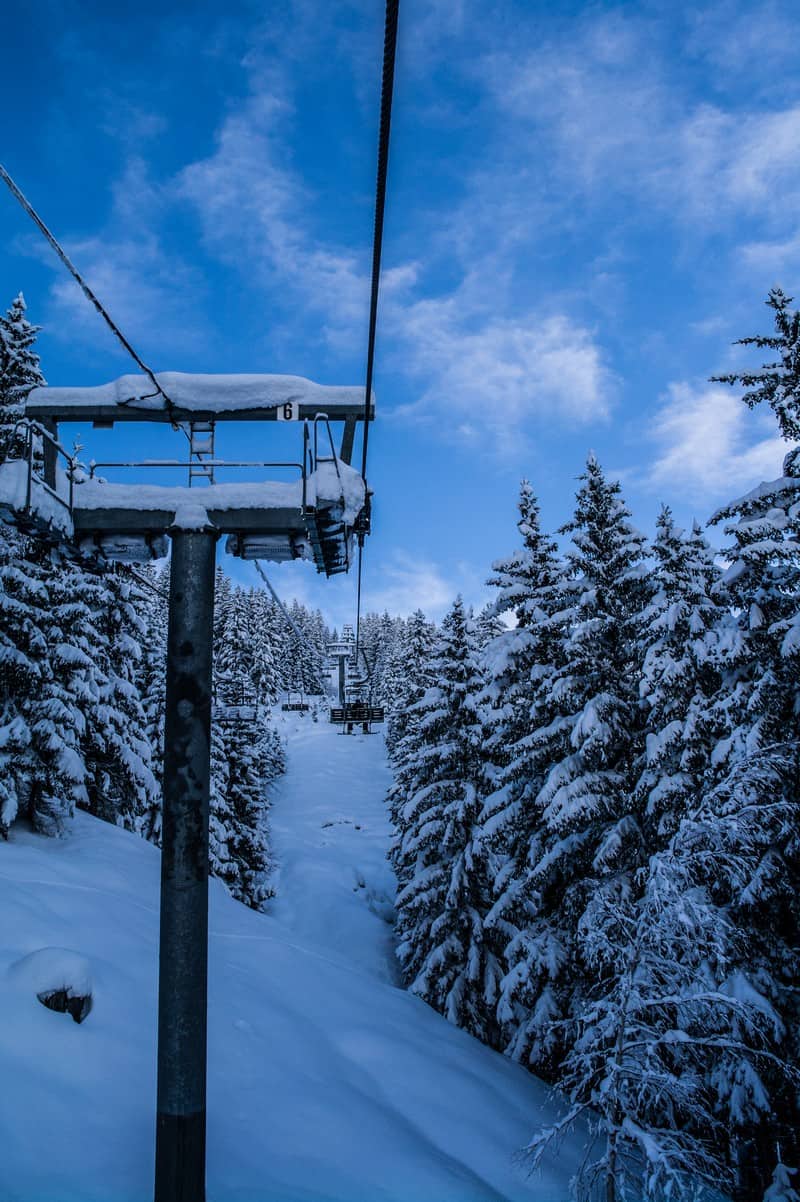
(387, 92)
(87, 291)
(358, 597)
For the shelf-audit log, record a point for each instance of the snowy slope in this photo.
(325, 1080)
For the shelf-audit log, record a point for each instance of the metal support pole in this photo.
(50, 453)
(341, 679)
(183, 950)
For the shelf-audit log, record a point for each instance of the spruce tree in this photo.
(245, 755)
(411, 673)
(591, 839)
(47, 683)
(758, 708)
(656, 1041)
(522, 739)
(264, 647)
(683, 632)
(442, 905)
(152, 685)
(121, 785)
(19, 373)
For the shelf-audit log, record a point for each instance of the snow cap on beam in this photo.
(243, 397)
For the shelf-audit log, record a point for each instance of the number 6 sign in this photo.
(289, 411)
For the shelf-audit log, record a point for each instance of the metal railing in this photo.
(333, 457)
(37, 441)
(302, 468)
(37, 438)
(95, 464)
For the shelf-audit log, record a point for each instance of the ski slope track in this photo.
(327, 1082)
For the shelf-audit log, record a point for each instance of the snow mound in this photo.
(52, 969)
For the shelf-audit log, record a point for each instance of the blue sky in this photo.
(587, 204)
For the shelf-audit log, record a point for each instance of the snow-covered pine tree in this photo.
(121, 785)
(221, 827)
(46, 685)
(313, 652)
(392, 671)
(383, 683)
(265, 642)
(247, 750)
(658, 1036)
(234, 663)
(591, 839)
(19, 373)
(777, 383)
(47, 677)
(522, 738)
(411, 673)
(683, 632)
(487, 626)
(246, 753)
(445, 874)
(152, 681)
(758, 707)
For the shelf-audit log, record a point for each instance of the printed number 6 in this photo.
(289, 411)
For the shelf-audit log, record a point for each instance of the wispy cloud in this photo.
(710, 445)
(407, 582)
(490, 376)
(779, 257)
(255, 213)
(608, 107)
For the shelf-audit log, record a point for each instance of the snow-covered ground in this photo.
(326, 1081)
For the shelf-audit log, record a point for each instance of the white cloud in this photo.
(778, 257)
(711, 445)
(494, 376)
(407, 583)
(255, 214)
(400, 584)
(617, 122)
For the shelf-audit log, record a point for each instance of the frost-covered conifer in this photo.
(443, 902)
(19, 373)
(234, 663)
(682, 630)
(46, 685)
(121, 785)
(411, 673)
(591, 836)
(264, 639)
(522, 738)
(670, 1022)
(246, 752)
(152, 681)
(758, 709)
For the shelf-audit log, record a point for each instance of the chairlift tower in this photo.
(317, 514)
(342, 651)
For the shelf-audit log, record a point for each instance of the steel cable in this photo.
(384, 131)
(87, 291)
(387, 91)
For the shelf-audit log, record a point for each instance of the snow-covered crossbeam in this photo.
(224, 397)
(270, 519)
(268, 502)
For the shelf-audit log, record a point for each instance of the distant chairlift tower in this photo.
(341, 652)
(317, 514)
